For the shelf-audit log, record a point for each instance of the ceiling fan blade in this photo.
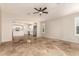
(35, 12)
(36, 9)
(44, 9)
(40, 9)
(45, 12)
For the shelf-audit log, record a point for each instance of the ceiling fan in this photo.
(40, 11)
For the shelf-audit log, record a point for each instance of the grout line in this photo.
(60, 50)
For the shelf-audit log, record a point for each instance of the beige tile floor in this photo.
(39, 47)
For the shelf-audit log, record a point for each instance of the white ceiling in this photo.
(24, 11)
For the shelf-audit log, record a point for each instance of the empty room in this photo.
(39, 29)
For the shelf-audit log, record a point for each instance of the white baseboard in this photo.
(75, 41)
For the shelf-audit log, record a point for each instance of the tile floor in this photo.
(39, 47)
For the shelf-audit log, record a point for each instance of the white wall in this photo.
(0, 27)
(0, 30)
(6, 30)
(62, 28)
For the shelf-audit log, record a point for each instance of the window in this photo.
(77, 26)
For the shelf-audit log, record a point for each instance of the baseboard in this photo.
(62, 39)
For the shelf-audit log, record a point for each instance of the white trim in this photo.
(73, 41)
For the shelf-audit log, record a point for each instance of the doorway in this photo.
(35, 30)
